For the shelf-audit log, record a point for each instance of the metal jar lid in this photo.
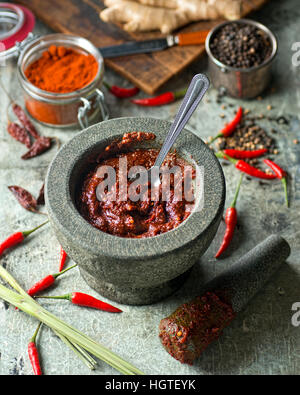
(16, 26)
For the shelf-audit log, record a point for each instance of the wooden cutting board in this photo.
(147, 71)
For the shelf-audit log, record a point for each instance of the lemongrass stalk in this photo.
(86, 355)
(78, 351)
(32, 308)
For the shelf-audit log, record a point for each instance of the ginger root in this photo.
(169, 15)
(138, 17)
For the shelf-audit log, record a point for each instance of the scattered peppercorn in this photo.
(248, 136)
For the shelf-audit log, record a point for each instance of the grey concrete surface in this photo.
(262, 339)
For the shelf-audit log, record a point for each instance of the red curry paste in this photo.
(187, 332)
(134, 219)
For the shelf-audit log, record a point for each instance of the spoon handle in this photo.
(194, 95)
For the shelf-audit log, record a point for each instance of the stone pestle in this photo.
(187, 332)
(251, 272)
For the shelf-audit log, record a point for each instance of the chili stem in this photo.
(233, 204)
(64, 271)
(33, 339)
(28, 232)
(214, 138)
(180, 94)
(284, 182)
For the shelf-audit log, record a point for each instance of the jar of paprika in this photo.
(61, 76)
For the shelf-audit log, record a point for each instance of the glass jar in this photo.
(63, 109)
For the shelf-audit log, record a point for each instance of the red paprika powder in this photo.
(60, 70)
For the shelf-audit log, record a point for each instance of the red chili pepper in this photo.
(165, 98)
(17, 238)
(46, 282)
(281, 174)
(240, 154)
(230, 221)
(253, 171)
(231, 126)
(121, 93)
(62, 259)
(246, 168)
(81, 299)
(33, 353)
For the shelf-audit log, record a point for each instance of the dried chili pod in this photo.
(24, 197)
(25, 121)
(40, 145)
(41, 197)
(19, 133)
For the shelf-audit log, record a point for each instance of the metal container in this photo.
(63, 109)
(236, 82)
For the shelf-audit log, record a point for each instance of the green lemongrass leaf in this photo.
(86, 355)
(11, 281)
(78, 351)
(29, 306)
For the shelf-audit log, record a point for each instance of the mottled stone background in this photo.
(262, 339)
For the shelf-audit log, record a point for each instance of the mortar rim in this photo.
(98, 242)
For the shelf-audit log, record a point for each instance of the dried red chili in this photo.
(19, 133)
(281, 174)
(40, 145)
(25, 121)
(121, 93)
(62, 259)
(231, 126)
(246, 168)
(84, 300)
(165, 98)
(17, 238)
(24, 197)
(41, 197)
(243, 154)
(230, 221)
(33, 353)
(46, 282)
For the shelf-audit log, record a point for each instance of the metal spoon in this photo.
(195, 93)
